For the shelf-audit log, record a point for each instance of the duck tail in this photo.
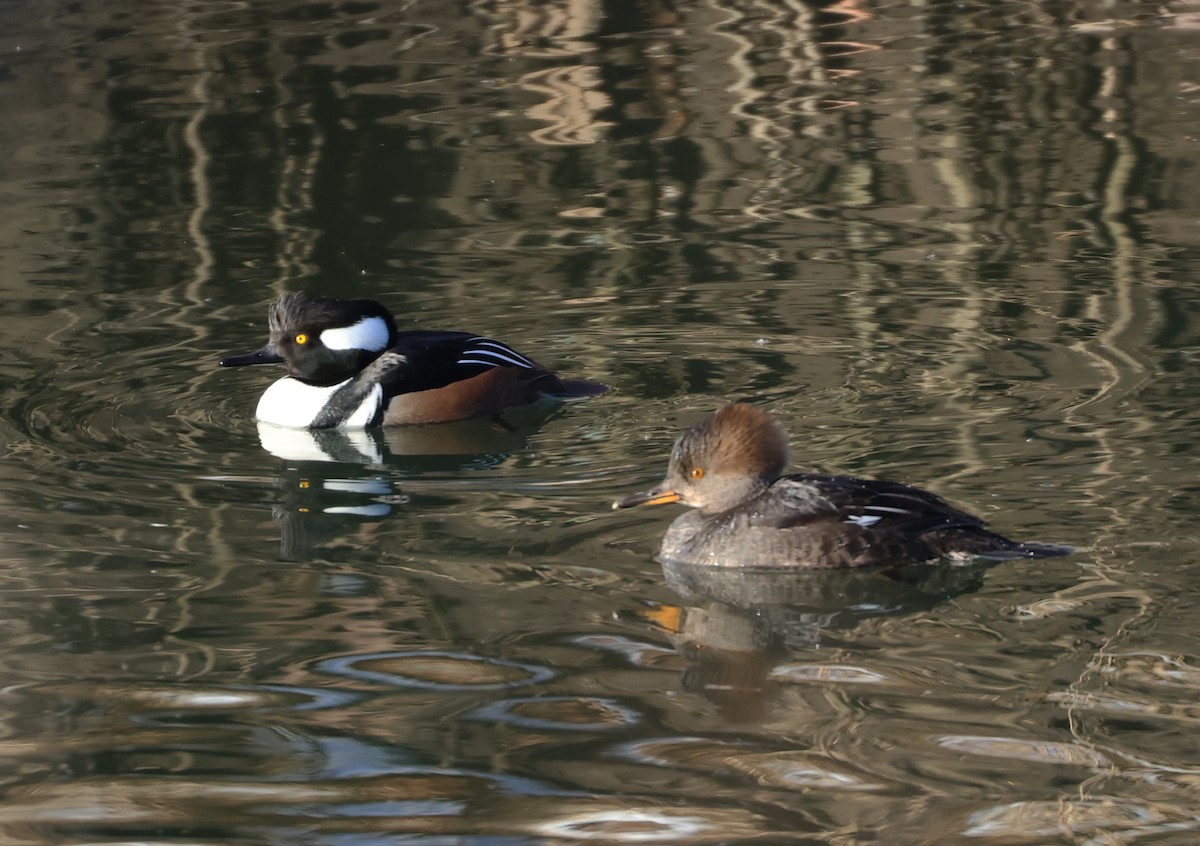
(984, 544)
(1036, 549)
(569, 389)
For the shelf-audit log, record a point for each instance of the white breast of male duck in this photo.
(299, 405)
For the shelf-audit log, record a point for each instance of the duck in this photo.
(347, 366)
(729, 468)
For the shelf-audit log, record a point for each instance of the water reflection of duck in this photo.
(798, 603)
(347, 473)
(333, 476)
(348, 366)
(496, 436)
(729, 467)
(737, 625)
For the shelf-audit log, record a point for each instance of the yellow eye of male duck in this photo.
(697, 472)
(301, 339)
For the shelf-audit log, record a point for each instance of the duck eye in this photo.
(697, 473)
(301, 339)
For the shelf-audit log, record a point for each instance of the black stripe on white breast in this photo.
(488, 353)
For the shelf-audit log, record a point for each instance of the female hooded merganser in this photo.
(348, 366)
(729, 467)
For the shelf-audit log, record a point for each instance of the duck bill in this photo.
(263, 355)
(660, 495)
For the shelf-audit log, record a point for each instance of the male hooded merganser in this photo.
(348, 366)
(729, 467)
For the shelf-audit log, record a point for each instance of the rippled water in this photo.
(950, 244)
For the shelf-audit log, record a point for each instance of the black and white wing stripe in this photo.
(484, 352)
(874, 504)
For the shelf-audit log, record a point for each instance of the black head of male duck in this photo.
(348, 366)
(730, 469)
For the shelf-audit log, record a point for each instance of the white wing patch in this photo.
(863, 520)
(370, 333)
(488, 353)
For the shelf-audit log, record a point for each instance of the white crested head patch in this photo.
(369, 333)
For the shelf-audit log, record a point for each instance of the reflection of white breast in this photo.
(343, 446)
(290, 402)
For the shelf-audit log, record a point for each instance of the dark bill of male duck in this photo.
(730, 467)
(348, 366)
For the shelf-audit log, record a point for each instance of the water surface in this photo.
(949, 244)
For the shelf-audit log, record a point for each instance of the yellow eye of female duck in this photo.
(302, 339)
(697, 472)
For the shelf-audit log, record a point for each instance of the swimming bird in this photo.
(348, 366)
(730, 467)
